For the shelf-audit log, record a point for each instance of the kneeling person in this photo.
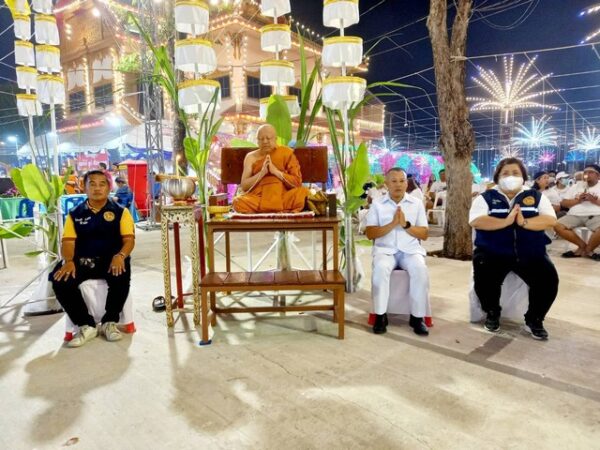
(398, 223)
(97, 241)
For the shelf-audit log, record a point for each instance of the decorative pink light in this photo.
(547, 157)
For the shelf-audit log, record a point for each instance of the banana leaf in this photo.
(278, 115)
(358, 171)
(241, 143)
(37, 187)
(17, 178)
(16, 230)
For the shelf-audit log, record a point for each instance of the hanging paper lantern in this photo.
(342, 50)
(290, 100)
(46, 31)
(22, 27)
(24, 55)
(28, 105)
(195, 95)
(195, 55)
(341, 92)
(277, 73)
(42, 6)
(27, 77)
(47, 58)
(18, 7)
(51, 89)
(275, 8)
(275, 38)
(191, 17)
(340, 13)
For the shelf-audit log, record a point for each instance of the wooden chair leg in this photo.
(213, 307)
(204, 302)
(341, 312)
(335, 305)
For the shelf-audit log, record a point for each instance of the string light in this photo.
(516, 91)
(538, 135)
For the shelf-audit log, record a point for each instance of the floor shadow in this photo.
(63, 379)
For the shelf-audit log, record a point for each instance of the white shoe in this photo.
(85, 334)
(111, 332)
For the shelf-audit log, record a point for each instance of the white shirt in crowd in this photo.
(480, 207)
(417, 193)
(556, 194)
(375, 193)
(398, 240)
(438, 186)
(585, 208)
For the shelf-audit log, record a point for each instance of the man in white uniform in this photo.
(397, 223)
(557, 193)
(583, 201)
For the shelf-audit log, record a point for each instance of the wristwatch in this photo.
(407, 225)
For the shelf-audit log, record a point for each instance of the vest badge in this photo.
(529, 201)
(109, 216)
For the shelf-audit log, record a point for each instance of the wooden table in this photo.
(229, 281)
(187, 215)
(227, 226)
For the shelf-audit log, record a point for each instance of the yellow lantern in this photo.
(340, 13)
(195, 55)
(28, 105)
(277, 73)
(46, 31)
(191, 17)
(275, 38)
(342, 50)
(51, 89)
(195, 95)
(22, 27)
(341, 92)
(47, 58)
(27, 77)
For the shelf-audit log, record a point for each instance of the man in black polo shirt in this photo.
(97, 241)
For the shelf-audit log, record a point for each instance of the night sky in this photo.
(552, 23)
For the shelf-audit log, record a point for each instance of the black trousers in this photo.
(69, 296)
(539, 274)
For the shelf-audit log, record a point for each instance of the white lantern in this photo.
(46, 31)
(290, 100)
(24, 55)
(277, 73)
(51, 89)
(195, 55)
(27, 77)
(275, 8)
(195, 95)
(340, 13)
(42, 6)
(22, 7)
(341, 92)
(342, 50)
(22, 27)
(47, 58)
(191, 17)
(28, 105)
(275, 38)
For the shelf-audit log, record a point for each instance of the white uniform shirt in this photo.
(556, 195)
(479, 207)
(438, 186)
(398, 240)
(585, 208)
(417, 193)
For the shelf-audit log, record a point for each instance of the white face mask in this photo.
(511, 184)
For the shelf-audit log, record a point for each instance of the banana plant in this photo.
(45, 189)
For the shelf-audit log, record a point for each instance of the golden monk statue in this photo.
(271, 180)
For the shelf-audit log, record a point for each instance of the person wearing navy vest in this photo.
(510, 223)
(97, 241)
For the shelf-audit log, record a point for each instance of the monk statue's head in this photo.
(267, 138)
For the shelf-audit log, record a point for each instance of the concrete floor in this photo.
(278, 382)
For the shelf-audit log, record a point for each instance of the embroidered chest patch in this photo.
(109, 216)
(529, 201)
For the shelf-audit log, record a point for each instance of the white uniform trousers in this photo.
(414, 264)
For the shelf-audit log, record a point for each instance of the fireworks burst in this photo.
(516, 91)
(588, 140)
(510, 152)
(587, 12)
(538, 135)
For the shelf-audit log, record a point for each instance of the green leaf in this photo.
(358, 171)
(278, 115)
(17, 178)
(353, 204)
(34, 253)
(16, 230)
(241, 143)
(192, 150)
(37, 187)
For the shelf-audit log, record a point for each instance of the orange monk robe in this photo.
(271, 194)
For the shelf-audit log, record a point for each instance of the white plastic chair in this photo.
(439, 209)
(514, 299)
(94, 295)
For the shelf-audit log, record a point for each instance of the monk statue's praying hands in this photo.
(271, 179)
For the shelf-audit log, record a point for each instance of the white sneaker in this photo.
(85, 334)
(111, 332)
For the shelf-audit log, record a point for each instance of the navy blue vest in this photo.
(99, 234)
(513, 241)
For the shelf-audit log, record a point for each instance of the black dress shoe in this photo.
(380, 326)
(492, 321)
(418, 326)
